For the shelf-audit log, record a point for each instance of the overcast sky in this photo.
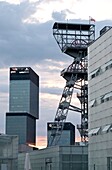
(26, 39)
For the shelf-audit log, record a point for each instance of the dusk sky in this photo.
(26, 39)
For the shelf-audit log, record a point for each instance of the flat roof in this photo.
(71, 26)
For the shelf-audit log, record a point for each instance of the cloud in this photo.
(59, 16)
(41, 142)
(23, 43)
(62, 15)
(54, 90)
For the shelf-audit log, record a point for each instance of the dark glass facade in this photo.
(23, 125)
(23, 104)
(67, 136)
(24, 91)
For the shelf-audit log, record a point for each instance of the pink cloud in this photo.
(41, 142)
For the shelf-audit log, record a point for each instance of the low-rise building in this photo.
(8, 152)
(56, 158)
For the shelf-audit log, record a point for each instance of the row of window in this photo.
(102, 130)
(102, 99)
(101, 69)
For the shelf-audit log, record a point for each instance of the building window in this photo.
(93, 103)
(90, 132)
(106, 97)
(99, 70)
(94, 131)
(109, 163)
(108, 65)
(102, 100)
(106, 128)
(96, 73)
(93, 75)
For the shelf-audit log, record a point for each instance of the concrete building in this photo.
(67, 136)
(23, 104)
(56, 158)
(8, 152)
(100, 102)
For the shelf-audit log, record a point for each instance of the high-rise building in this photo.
(67, 136)
(23, 104)
(100, 101)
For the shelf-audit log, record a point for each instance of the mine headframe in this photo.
(73, 40)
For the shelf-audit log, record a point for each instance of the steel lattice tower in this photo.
(73, 40)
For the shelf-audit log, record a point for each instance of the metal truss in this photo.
(73, 40)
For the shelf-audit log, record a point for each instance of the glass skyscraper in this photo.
(23, 104)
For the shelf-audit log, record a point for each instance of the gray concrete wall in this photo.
(100, 92)
(57, 158)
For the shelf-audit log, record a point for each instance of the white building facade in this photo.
(100, 102)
